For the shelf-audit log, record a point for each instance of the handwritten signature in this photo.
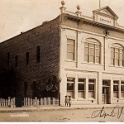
(116, 112)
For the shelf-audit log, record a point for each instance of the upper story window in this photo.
(16, 61)
(92, 51)
(117, 55)
(38, 54)
(70, 49)
(27, 58)
(8, 58)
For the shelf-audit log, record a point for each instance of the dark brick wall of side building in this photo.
(47, 38)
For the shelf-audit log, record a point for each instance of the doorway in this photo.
(106, 92)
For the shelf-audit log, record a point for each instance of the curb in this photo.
(53, 108)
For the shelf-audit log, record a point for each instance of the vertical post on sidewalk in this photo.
(9, 101)
(35, 101)
(59, 94)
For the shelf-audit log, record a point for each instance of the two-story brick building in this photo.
(87, 53)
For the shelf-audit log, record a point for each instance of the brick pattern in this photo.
(47, 37)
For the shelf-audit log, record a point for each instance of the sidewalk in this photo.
(57, 108)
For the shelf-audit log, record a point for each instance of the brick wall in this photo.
(47, 37)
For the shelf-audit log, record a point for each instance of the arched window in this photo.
(92, 51)
(117, 55)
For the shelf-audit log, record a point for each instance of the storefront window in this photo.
(122, 89)
(91, 88)
(81, 88)
(70, 87)
(115, 89)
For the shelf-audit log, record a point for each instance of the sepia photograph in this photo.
(61, 60)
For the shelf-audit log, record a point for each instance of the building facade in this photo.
(86, 53)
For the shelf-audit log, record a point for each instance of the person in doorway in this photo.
(69, 101)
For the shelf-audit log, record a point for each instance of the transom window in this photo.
(92, 51)
(117, 55)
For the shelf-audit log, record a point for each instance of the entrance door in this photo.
(105, 95)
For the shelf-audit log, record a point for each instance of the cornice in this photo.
(92, 22)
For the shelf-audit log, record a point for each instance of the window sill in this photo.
(116, 66)
(91, 63)
(121, 99)
(67, 60)
(81, 99)
(90, 99)
(115, 99)
(72, 99)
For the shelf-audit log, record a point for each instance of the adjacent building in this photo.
(86, 53)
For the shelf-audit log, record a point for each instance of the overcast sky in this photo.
(21, 15)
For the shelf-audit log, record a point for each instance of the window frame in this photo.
(27, 58)
(16, 61)
(8, 58)
(90, 46)
(73, 45)
(84, 90)
(94, 88)
(38, 50)
(116, 83)
(117, 55)
(71, 80)
(122, 92)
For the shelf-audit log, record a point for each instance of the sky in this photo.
(18, 16)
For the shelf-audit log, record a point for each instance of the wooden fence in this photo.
(41, 101)
(11, 102)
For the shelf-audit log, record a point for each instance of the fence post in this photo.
(38, 102)
(9, 104)
(6, 104)
(31, 101)
(28, 102)
(41, 101)
(45, 101)
(24, 101)
(1, 102)
(14, 102)
(35, 101)
(49, 100)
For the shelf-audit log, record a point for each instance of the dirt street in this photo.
(79, 115)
